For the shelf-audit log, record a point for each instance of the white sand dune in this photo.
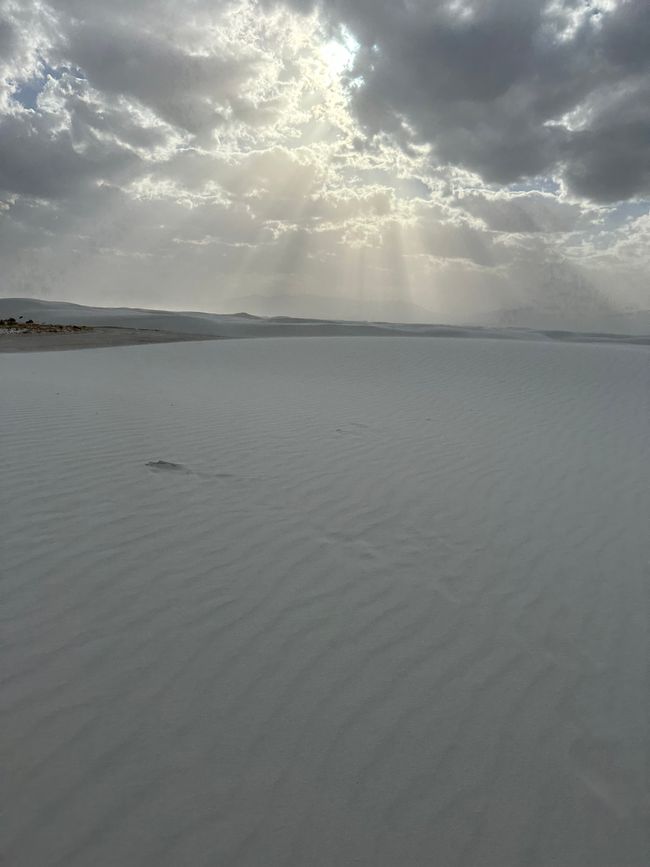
(243, 325)
(326, 602)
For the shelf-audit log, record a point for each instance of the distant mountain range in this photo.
(322, 307)
(349, 309)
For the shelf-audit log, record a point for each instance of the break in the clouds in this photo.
(467, 160)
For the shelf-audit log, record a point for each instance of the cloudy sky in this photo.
(474, 158)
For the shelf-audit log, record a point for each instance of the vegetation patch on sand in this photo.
(17, 326)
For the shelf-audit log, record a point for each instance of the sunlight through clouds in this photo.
(338, 54)
(247, 148)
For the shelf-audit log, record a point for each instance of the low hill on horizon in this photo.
(247, 325)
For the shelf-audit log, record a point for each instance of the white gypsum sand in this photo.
(326, 602)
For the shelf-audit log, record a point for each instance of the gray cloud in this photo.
(193, 92)
(8, 38)
(489, 85)
(468, 158)
(38, 160)
(532, 212)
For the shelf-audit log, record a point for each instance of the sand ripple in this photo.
(326, 602)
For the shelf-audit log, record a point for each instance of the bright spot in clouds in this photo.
(461, 161)
(338, 54)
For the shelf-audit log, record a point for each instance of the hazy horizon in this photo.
(311, 310)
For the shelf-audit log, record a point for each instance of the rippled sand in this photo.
(326, 602)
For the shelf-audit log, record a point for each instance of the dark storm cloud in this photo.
(489, 85)
(610, 159)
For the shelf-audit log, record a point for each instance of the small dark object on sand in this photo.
(166, 466)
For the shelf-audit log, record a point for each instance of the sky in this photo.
(461, 161)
